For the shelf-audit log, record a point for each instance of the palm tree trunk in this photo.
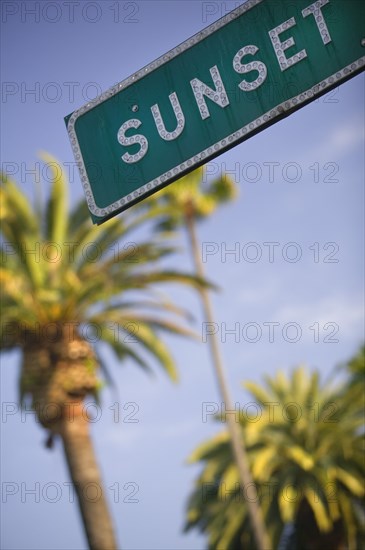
(85, 476)
(58, 372)
(309, 537)
(239, 452)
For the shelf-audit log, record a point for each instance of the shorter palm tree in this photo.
(306, 453)
(354, 391)
(67, 285)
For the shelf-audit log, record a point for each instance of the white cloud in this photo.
(339, 142)
(257, 296)
(347, 313)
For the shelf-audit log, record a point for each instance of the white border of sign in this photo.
(206, 154)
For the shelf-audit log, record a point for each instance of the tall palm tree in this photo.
(306, 452)
(66, 284)
(187, 202)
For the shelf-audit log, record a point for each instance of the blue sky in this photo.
(310, 206)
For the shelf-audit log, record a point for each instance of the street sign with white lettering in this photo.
(236, 77)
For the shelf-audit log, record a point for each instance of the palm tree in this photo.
(67, 284)
(354, 391)
(187, 202)
(353, 404)
(305, 449)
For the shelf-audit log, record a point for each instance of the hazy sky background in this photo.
(88, 47)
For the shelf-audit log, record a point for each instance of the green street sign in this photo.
(256, 65)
